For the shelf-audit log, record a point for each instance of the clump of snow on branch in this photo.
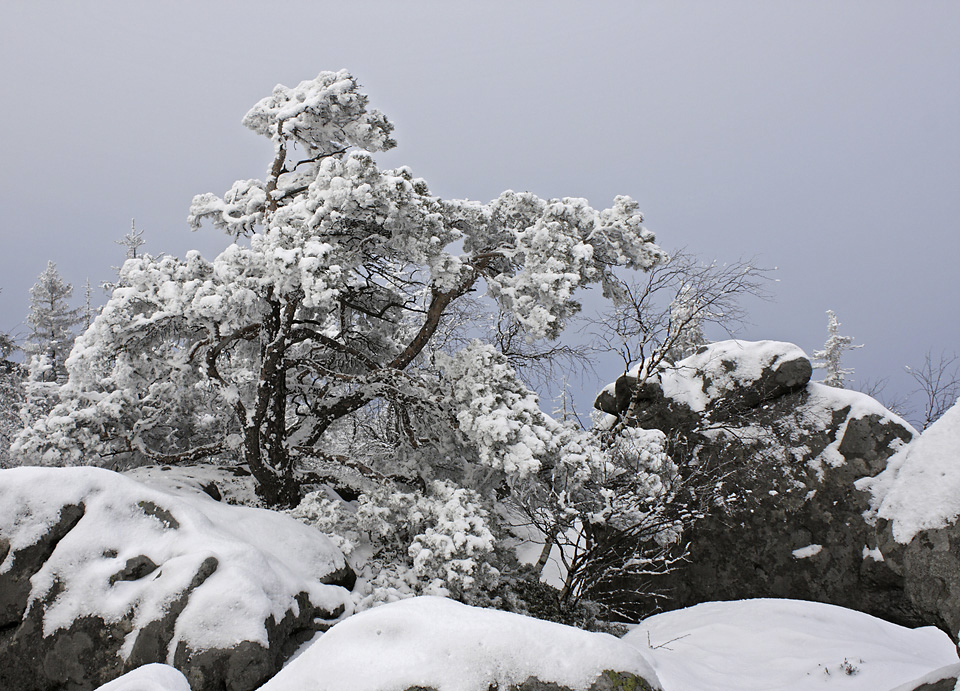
(433, 542)
(496, 412)
(559, 245)
(326, 115)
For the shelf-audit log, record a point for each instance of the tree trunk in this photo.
(265, 449)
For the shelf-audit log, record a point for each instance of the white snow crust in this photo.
(787, 645)
(435, 642)
(190, 480)
(152, 677)
(265, 558)
(807, 552)
(920, 487)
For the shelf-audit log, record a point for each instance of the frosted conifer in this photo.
(51, 319)
(829, 358)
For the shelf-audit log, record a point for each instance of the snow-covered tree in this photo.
(89, 311)
(51, 320)
(830, 357)
(11, 398)
(324, 309)
(133, 241)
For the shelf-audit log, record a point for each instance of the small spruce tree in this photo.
(829, 358)
(51, 320)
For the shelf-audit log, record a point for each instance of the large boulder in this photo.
(915, 506)
(780, 456)
(433, 643)
(100, 574)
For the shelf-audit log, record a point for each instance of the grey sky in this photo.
(821, 137)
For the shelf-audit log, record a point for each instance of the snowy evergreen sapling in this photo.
(829, 358)
(51, 320)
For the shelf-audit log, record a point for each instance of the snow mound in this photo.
(788, 645)
(135, 550)
(438, 643)
(920, 488)
(152, 677)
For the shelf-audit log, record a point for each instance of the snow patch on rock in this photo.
(807, 552)
(920, 488)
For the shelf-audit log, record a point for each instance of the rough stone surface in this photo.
(607, 681)
(787, 453)
(949, 684)
(929, 568)
(249, 664)
(15, 582)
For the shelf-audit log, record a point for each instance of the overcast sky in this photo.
(821, 137)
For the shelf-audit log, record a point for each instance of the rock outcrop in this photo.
(100, 574)
(781, 456)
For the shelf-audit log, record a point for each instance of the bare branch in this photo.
(938, 384)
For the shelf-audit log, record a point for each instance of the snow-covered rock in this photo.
(435, 643)
(785, 454)
(100, 574)
(920, 488)
(789, 645)
(738, 374)
(915, 505)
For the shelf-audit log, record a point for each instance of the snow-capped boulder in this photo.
(787, 519)
(434, 643)
(100, 574)
(915, 505)
(723, 378)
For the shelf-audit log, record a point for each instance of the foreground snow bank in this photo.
(920, 488)
(789, 645)
(438, 643)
